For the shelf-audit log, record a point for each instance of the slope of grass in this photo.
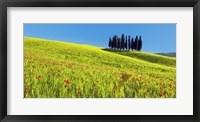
(172, 54)
(153, 58)
(54, 69)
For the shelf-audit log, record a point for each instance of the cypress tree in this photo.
(122, 42)
(132, 43)
(128, 45)
(136, 43)
(116, 42)
(140, 44)
(113, 42)
(119, 43)
(109, 43)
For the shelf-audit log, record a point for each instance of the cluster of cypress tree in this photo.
(125, 43)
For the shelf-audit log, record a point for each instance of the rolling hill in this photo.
(172, 54)
(149, 57)
(54, 69)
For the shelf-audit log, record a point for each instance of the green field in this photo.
(54, 69)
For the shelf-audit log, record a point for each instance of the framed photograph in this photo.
(129, 60)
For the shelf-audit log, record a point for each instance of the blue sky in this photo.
(156, 38)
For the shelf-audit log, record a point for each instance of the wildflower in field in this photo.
(161, 95)
(66, 81)
(126, 77)
(27, 89)
(70, 65)
(38, 77)
(78, 92)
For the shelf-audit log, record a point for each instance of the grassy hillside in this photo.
(54, 69)
(172, 54)
(153, 58)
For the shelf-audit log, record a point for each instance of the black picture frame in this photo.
(99, 3)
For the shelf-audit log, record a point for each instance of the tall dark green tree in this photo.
(125, 46)
(113, 42)
(136, 43)
(132, 43)
(140, 44)
(109, 43)
(122, 41)
(116, 41)
(119, 43)
(129, 42)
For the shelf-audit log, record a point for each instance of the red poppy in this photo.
(66, 81)
(27, 89)
(38, 77)
(79, 92)
(161, 95)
